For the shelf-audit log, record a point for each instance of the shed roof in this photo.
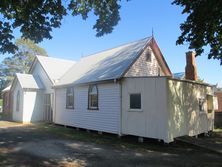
(28, 81)
(55, 68)
(106, 65)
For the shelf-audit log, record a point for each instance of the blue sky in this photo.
(76, 37)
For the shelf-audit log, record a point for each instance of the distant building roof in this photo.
(28, 81)
(106, 65)
(179, 75)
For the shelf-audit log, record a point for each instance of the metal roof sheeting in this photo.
(28, 81)
(106, 65)
(54, 67)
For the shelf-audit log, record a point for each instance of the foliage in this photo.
(1, 102)
(203, 26)
(21, 61)
(36, 19)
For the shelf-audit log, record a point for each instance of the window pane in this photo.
(201, 104)
(135, 101)
(69, 98)
(93, 97)
(93, 90)
(94, 101)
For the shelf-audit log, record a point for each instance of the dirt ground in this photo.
(36, 145)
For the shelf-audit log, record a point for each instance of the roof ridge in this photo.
(149, 37)
(60, 59)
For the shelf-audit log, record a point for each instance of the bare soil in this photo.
(51, 145)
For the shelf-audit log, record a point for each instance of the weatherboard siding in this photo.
(141, 67)
(105, 119)
(38, 71)
(151, 120)
(33, 108)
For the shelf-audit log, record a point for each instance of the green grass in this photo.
(1, 102)
(125, 142)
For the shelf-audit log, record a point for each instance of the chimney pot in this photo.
(191, 68)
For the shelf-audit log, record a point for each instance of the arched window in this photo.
(70, 98)
(93, 97)
(17, 100)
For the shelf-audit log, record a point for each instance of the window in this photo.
(201, 104)
(93, 97)
(159, 71)
(209, 103)
(18, 101)
(149, 56)
(69, 98)
(135, 101)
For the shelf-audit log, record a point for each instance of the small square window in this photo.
(135, 101)
(201, 104)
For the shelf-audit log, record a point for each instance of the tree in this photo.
(36, 19)
(203, 26)
(21, 61)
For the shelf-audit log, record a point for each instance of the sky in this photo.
(76, 37)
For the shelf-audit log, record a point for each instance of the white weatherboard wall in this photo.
(38, 71)
(17, 115)
(152, 120)
(33, 108)
(170, 108)
(183, 107)
(106, 119)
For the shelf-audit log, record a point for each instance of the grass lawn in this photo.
(1, 102)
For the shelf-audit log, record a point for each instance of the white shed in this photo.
(27, 99)
(167, 108)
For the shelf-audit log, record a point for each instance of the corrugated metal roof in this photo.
(54, 67)
(109, 64)
(28, 81)
(179, 75)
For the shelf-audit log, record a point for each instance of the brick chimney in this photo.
(191, 68)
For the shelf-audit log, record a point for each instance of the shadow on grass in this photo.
(54, 145)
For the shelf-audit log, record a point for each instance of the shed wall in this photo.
(33, 106)
(7, 105)
(151, 121)
(183, 106)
